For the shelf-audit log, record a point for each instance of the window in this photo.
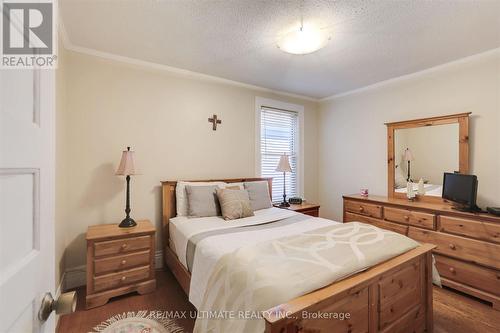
(279, 134)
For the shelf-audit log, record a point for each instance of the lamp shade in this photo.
(284, 164)
(127, 165)
(408, 156)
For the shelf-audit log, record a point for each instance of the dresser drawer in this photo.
(363, 208)
(418, 219)
(472, 275)
(121, 245)
(475, 229)
(459, 247)
(401, 229)
(123, 278)
(124, 261)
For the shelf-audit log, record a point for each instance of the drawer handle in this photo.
(124, 246)
(123, 278)
(452, 270)
(406, 217)
(361, 209)
(452, 246)
(124, 262)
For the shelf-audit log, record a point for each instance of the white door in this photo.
(27, 155)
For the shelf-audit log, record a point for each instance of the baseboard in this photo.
(77, 276)
(159, 263)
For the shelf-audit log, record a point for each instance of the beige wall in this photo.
(163, 117)
(352, 134)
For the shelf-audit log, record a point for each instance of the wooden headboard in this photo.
(168, 198)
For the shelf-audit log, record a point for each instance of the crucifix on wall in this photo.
(214, 122)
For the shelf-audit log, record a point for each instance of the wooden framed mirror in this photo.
(426, 149)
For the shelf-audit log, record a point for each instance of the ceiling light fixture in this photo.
(304, 40)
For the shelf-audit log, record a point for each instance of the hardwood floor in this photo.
(453, 312)
(168, 296)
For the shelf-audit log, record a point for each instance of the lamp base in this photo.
(127, 223)
(284, 204)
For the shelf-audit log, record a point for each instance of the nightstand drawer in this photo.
(418, 219)
(310, 212)
(363, 208)
(113, 264)
(114, 280)
(121, 245)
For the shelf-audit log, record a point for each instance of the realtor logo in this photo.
(28, 34)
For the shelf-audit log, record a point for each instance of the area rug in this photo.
(138, 322)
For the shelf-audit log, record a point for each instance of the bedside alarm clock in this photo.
(295, 201)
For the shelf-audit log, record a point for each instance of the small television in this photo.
(462, 190)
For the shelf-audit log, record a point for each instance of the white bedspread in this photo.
(209, 250)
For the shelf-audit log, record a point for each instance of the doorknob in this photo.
(65, 303)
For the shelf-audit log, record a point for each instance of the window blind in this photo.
(279, 135)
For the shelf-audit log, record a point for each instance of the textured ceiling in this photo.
(371, 41)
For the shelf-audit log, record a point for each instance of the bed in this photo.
(392, 296)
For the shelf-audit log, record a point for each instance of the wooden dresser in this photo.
(468, 245)
(119, 261)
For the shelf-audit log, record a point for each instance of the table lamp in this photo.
(127, 168)
(284, 166)
(408, 157)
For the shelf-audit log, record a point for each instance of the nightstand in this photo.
(304, 208)
(119, 261)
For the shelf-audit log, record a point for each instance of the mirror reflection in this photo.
(425, 154)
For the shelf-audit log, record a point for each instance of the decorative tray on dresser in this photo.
(468, 244)
(119, 261)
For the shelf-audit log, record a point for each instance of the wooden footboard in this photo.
(395, 296)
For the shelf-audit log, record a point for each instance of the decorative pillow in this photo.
(202, 201)
(399, 178)
(234, 204)
(181, 195)
(258, 193)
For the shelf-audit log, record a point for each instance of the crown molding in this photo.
(415, 75)
(68, 45)
(182, 72)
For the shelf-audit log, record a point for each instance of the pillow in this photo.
(234, 204)
(181, 196)
(202, 201)
(235, 186)
(399, 178)
(258, 193)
